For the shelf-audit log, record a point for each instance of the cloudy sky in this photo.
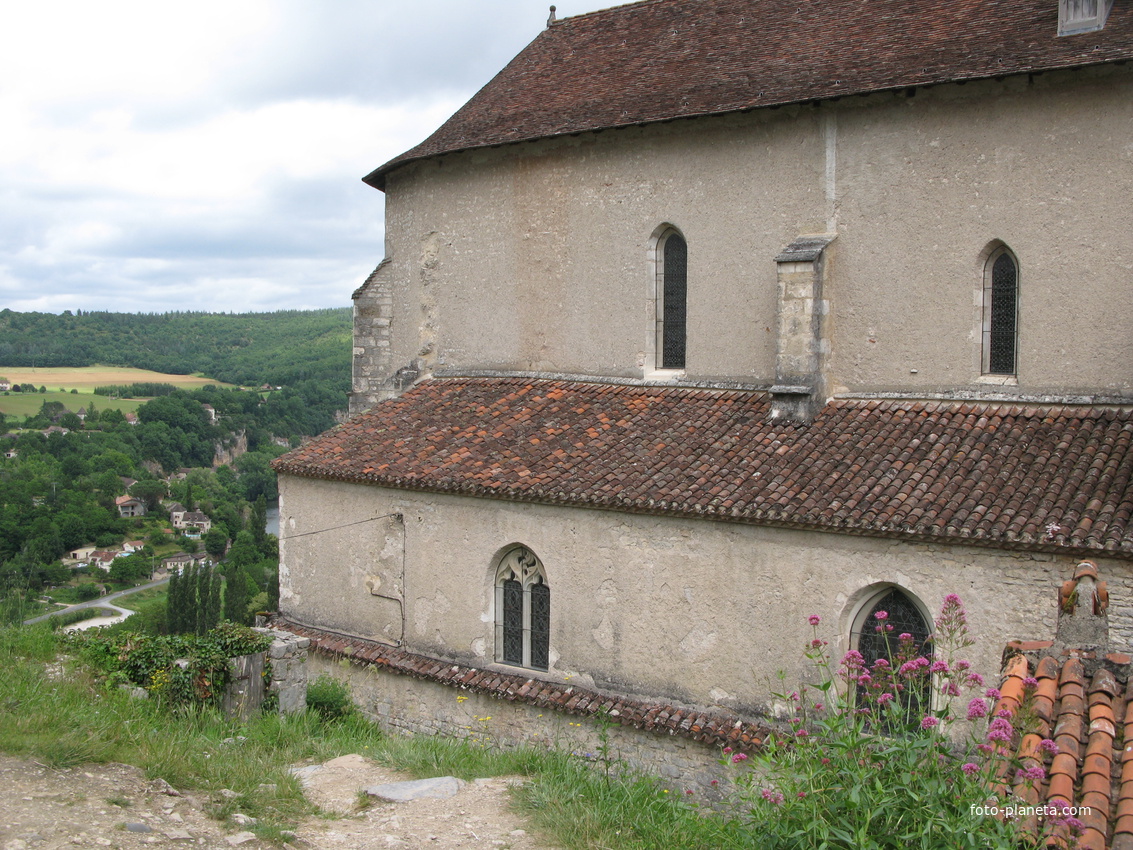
(209, 156)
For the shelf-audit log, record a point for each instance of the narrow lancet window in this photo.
(1001, 312)
(671, 307)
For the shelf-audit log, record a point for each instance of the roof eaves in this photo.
(377, 177)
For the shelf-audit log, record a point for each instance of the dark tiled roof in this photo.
(1053, 478)
(1085, 705)
(714, 729)
(665, 59)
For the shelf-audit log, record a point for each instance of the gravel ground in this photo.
(115, 806)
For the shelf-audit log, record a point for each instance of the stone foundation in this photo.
(407, 705)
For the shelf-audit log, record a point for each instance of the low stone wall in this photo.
(409, 705)
(288, 657)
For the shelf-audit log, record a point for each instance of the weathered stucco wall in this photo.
(538, 256)
(699, 612)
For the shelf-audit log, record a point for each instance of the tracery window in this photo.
(1001, 314)
(523, 610)
(902, 616)
(672, 296)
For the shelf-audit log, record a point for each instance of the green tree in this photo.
(179, 582)
(235, 594)
(244, 552)
(258, 522)
(216, 541)
(151, 492)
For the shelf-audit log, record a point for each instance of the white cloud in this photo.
(158, 156)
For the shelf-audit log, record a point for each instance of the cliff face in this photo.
(226, 451)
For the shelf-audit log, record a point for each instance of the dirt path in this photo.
(116, 806)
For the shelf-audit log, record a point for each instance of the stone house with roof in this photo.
(703, 317)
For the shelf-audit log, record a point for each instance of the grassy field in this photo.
(61, 380)
(86, 378)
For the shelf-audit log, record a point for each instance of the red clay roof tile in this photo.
(664, 59)
(1084, 771)
(719, 730)
(850, 471)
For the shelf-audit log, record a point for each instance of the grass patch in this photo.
(573, 804)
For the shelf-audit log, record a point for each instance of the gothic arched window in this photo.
(672, 296)
(1001, 314)
(902, 616)
(523, 610)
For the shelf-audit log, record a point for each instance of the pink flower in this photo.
(801, 795)
(1030, 682)
(714, 782)
(814, 619)
(1030, 774)
(985, 748)
(884, 698)
(1000, 730)
(992, 693)
(929, 722)
(818, 706)
(977, 708)
(910, 668)
(773, 797)
(974, 680)
(939, 667)
(970, 769)
(801, 733)
(882, 615)
(727, 750)
(951, 689)
(1049, 745)
(738, 757)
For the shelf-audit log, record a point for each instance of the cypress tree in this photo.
(235, 594)
(173, 603)
(212, 611)
(273, 589)
(200, 625)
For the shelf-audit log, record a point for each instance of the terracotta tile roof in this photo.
(714, 729)
(1084, 703)
(1048, 478)
(665, 59)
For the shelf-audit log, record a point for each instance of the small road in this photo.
(101, 602)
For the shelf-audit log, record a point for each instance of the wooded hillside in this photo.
(281, 348)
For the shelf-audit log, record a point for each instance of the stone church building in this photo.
(704, 317)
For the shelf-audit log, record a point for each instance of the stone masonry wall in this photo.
(412, 706)
(288, 656)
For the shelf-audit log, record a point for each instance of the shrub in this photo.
(176, 669)
(856, 770)
(329, 697)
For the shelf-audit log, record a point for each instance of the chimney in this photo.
(551, 17)
(801, 347)
(1082, 605)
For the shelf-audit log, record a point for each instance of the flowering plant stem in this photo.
(869, 760)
